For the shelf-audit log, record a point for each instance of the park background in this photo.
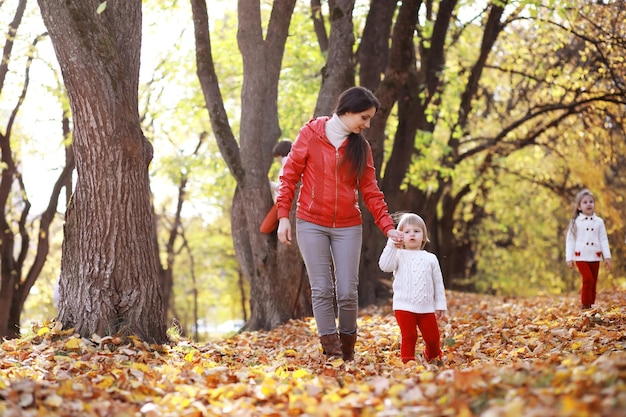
(494, 116)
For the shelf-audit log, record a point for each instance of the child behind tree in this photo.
(280, 152)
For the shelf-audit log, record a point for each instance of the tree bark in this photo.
(109, 281)
(10, 271)
(416, 88)
(338, 73)
(318, 25)
(373, 52)
(396, 61)
(275, 288)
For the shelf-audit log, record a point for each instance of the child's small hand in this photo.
(396, 236)
(440, 314)
(570, 264)
(607, 263)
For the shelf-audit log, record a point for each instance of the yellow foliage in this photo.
(73, 344)
(140, 367)
(42, 331)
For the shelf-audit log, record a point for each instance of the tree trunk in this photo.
(10, 272)
(338, 73)
(16, 279)
(404, 84)
(292, 276)
(275, 289)
(373, 52)
(318, 25)
(109, 281)
(373, 57)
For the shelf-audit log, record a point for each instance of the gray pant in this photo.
(318, 245)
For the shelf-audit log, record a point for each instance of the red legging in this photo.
(427, 323)
(589, 273)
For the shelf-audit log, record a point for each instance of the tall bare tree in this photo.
(109, 280)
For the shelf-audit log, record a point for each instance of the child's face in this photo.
(413, 237)
(587, 205)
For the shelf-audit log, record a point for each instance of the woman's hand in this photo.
(396, 236)
(284, 231)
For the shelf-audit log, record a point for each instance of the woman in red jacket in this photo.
(334, 162)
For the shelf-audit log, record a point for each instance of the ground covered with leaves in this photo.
(537, 356)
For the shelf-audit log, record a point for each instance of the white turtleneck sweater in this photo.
(418, 282)
(336, 131)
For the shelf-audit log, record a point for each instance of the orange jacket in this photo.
(329, 195)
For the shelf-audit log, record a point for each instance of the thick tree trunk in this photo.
(286, 293)
(7, 286)
(259, 131)
(109, 279)
(373, 56)
(275, 290)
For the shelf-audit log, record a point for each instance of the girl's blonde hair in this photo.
(412, 219)
(579, 197)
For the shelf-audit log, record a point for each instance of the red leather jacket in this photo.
(329, 195)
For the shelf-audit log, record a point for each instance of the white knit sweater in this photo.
(418, 282)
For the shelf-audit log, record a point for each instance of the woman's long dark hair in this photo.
(356, 100)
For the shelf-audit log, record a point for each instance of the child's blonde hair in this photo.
(412, 219)
(579, 197)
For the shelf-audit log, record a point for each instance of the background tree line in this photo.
(494, 114)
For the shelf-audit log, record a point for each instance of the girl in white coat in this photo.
(586, 245)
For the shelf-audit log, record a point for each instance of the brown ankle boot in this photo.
(331, 346)
(347, 345)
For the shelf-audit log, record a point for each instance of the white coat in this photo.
(590, 244)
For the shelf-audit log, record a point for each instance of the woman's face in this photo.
(357, 122)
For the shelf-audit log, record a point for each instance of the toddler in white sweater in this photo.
(419, 297)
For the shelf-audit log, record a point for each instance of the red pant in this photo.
(427, 323)
(589, 273)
